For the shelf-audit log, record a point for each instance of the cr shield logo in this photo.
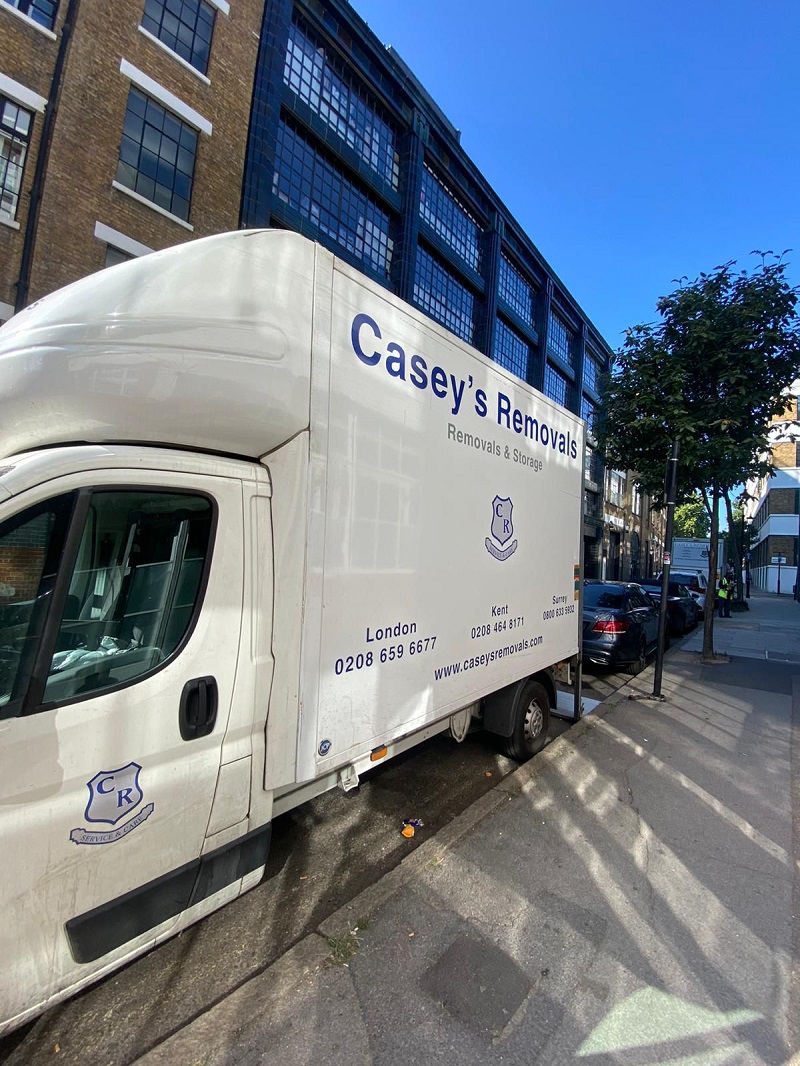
(502, 529)
(113, 794)
(113, 797)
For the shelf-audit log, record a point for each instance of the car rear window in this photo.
(690, 580)
(603, 596)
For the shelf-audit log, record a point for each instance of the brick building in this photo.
(774, 507)
(122, 129)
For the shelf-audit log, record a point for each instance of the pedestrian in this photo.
(723, 597)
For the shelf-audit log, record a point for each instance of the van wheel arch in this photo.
(519, 715)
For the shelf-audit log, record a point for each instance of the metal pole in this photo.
(577, 702)
(671, 488)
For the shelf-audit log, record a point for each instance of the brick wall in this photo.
(85, 147)
(27, 57)
(783, 501)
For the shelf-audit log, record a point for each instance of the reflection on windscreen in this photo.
(25, 581)
(131, 596)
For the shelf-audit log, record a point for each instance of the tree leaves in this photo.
(708, 374)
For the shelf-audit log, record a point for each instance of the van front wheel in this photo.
(531, 719)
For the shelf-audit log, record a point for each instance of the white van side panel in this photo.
(422, 609)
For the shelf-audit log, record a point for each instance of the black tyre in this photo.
(640, 661)
(531, 719)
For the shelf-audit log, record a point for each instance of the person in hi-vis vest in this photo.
(724, 597)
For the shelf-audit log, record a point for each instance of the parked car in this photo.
(697, 584)
(620, 624)
(682, 610)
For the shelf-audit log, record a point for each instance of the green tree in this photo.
(709, 374)
(692, 519)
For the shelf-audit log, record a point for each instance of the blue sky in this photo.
(635, 142)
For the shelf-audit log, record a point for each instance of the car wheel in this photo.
(640, 661)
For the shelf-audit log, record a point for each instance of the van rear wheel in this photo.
(531, 719)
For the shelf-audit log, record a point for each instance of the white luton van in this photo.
(261, 525)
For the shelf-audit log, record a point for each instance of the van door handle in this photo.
(198, 710)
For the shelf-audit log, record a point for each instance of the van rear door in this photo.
(120, 614)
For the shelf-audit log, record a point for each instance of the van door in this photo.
(120, 615)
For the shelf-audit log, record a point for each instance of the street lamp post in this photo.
(671, 487)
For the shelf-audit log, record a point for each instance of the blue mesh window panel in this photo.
(452, 222)
(510, 350)
(560, 342)
(591, 374)
(157, 155)
(445, 299)
(320, 193)
(41, 11)
(308, 72)
(15, 128)
(556, 386)
(515, 291)
(185, 26)
(589, 412)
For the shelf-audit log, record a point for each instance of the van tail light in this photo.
(611, 625)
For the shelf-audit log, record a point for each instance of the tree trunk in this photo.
(708, 626)
(737, 549)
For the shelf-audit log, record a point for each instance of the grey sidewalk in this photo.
(630, 896)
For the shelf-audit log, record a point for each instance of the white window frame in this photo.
(120, 241)
(164, 96)
(32, 22)
(178, 59)
(20, 94)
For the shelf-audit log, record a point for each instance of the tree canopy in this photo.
(709, 375)
(692, 518)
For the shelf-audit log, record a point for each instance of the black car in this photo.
(682, 610)
(620, 624)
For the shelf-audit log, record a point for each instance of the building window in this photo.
(308, 72)
(589, 413)
(319, 192)
(41, 11)
(510, 350)
(591, 374)
(438, 293)
(560, 342)
(616, 487)
(556, 386)
(157, 155)
(185, 26)
(115, 256)
(446, 217)
(515, 291)
(592, 465)
(15, 128)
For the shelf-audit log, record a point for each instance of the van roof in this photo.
(206, 345)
